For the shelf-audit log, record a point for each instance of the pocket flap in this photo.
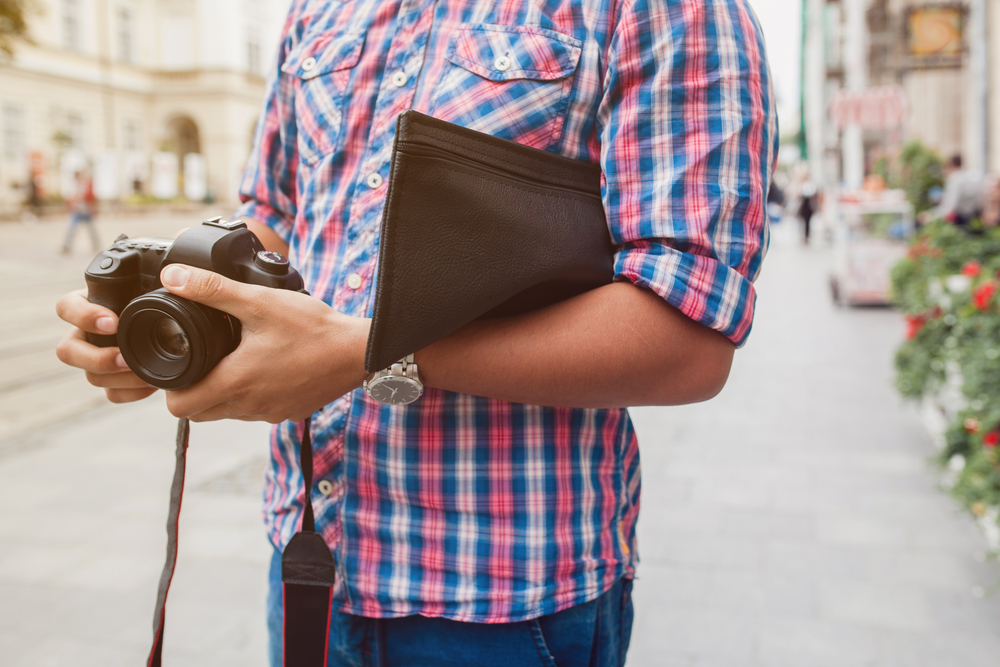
(501, 53)
(325, 54)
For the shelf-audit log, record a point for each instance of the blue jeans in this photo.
(593, 634)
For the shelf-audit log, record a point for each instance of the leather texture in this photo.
(307, 561)
(477, 226)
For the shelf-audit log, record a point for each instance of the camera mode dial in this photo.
(271, 262)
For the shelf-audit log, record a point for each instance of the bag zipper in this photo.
(422, 150)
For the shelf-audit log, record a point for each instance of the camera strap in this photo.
(173, 516)
(308, 570)
(308, 573)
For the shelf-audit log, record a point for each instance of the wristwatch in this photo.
(397, 385)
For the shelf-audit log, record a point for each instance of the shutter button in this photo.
(374, 180)
(308, 64)
(325, 487)
(502, 63)
(354, 281)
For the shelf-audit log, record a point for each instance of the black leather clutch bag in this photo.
(477, 226)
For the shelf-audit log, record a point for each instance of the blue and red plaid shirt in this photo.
(461, 506)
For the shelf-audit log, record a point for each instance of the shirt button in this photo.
(502, 63)
(374, 180)
(354, 281)
(325, 487)
(308, 63)
(399, 79)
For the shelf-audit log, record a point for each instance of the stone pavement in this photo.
(792, 521)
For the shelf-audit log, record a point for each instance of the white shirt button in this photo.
(354, 281)
(308, 63)
(374, 180)
(399, 79)
(325, 487)
(502, 63)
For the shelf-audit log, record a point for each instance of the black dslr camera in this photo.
(171, 342)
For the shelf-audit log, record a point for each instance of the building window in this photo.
(125, 38)
(253, 57)
(76, 129)
(13, 132)
(71, 24)
(131, 138)
(253, 19)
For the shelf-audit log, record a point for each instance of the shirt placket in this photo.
(395, 94)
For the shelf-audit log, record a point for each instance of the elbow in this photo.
(699, 375)
(715, 376)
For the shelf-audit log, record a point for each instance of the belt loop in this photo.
(380, 657)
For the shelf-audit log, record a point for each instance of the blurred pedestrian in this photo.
(33, 201)
(807, 207)
(82, 206)
(962, 200)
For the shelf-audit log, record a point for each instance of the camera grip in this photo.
(112, 293)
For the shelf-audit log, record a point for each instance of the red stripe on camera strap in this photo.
(173, 516)
(308, 571)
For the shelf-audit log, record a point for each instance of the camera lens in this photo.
(170, 342)
(170, 338)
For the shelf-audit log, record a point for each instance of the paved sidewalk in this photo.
(792, 521)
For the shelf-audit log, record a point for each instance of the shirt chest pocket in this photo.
(509, 81)
(319, 69)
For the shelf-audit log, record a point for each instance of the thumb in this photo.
(213, 290)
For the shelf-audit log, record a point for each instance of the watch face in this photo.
(394, 390)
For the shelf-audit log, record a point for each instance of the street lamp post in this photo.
(977, 141)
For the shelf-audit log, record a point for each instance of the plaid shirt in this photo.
(462, 506)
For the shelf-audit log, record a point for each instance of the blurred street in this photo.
(35, 388)
(792, 521)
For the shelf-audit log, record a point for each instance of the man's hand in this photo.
(104, 365)
(297, 353)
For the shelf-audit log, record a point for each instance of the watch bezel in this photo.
(381, 379)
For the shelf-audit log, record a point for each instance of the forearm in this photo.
(616, 346)
(267, 236)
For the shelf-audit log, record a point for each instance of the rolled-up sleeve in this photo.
(268, 188)
(689, 137)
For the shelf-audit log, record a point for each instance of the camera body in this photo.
(168, 341)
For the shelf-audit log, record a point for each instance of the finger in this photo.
(75, 309)
(178, 234)
(204, 395)
(74, 350)
(122, 380)
(238, 299)
(128, 395)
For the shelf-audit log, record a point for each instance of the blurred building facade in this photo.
(877, 73)
(149, 95)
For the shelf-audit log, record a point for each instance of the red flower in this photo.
(971, 425)
(919, 249)
(972, 268)
(983, 295)
(914, 323)
(991, 439)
